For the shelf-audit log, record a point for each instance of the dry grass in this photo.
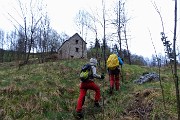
(50, 90)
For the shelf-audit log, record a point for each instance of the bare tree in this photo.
(104, 31)
(159, 66)
(2, 45)
(43, 37)
(125, 20)
(176, 79)
(36, 16)
(172, 54)
(120, 25)
(81, 21)
(30, 13)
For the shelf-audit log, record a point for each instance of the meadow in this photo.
(49, 91)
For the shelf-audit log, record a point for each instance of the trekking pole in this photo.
(122, 74)
(103, 93)
(103, 96)
(103, 99)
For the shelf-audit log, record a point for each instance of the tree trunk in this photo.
(175, 62)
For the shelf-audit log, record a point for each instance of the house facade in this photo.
(74, 47)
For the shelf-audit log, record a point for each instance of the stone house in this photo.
(74, 47)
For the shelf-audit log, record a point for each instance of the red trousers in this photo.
(83, 89)
(114, 79)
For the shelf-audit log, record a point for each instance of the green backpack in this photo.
(86, 72)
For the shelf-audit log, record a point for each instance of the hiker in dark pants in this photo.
(89, 84)
(114, 77)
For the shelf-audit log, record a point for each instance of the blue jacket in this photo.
(120, 61)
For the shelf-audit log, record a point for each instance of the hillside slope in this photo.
(50, 91)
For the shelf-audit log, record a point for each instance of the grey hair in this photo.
(93, 61)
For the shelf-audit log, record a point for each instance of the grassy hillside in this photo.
(49, 91)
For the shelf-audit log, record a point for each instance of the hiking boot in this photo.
(96, 104)
(111, 91)
(97, 107)
(79, 115)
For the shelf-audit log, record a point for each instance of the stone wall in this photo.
(74, 47)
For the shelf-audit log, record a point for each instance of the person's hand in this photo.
(102, 76)
(122, 59)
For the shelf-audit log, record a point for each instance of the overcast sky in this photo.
(145, 20)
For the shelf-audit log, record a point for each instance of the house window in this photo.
(77, 49)
(76, 41)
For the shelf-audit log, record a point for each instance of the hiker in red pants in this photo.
(89, 84)
(114, 77)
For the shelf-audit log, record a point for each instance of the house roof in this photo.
(76, 34)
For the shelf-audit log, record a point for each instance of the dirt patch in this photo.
(141, 105)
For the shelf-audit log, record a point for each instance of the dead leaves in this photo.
(141, 105)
